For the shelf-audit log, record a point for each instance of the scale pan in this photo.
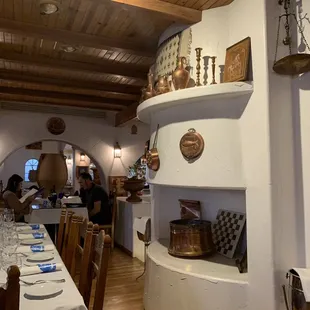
(293, 64)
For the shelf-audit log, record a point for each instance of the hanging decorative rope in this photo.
(292, 64)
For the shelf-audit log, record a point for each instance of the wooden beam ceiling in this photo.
(78, 39)
(117, 70)
(126, 115)
(20, 94)
(176, 13)
(111, 88)
(20, 83)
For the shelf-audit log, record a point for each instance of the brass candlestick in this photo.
(213, 70)
(198, 58)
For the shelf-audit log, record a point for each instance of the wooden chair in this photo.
(87, 256)
(100, 265)
(61, 230)
(110, 229)
(73, 240)
(9, 297)
(66, 235)
(85, 232)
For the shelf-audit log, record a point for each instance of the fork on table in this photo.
(42, 281)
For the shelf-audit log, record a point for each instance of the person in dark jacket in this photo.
(99, 209)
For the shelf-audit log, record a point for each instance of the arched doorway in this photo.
(93, 137)
(24, 160)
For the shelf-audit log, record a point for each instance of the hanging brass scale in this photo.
(292, 64)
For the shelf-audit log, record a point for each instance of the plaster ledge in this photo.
(215, 268)
(206, 95)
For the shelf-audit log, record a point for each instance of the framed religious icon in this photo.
(237, 61)
(116, 185)
(81, 169)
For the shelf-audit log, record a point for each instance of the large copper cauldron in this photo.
(190, 238)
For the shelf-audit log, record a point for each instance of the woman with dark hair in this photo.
(11, 198)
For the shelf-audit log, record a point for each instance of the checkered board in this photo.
(227, 230)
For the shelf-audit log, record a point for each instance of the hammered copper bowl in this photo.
(190, 238)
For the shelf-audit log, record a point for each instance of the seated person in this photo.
(99, 210)
(11, 198)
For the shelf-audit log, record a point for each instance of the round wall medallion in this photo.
(56, 125)
(191, 145)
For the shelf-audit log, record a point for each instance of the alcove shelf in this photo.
(205, 95)
(215, 268)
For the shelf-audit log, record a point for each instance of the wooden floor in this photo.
(123, 291)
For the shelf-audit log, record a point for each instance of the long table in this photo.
(70, 299)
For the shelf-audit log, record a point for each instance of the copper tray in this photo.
(190, 238)
(293, 64)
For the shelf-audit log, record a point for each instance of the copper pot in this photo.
(190, 238)
(134, 186)
(149, 91)
(180, 76)
(162, 85)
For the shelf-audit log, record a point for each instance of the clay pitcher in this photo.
(52, 172)
(180, 76)
(162, 85)
(149, 92)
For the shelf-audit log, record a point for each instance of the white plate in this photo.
(31, 242)
(21, 224)
(43, 291)
(40, 257)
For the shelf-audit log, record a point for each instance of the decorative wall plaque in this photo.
(56, 125)
(237, 61)
(191, 145)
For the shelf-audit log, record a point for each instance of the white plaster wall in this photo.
(228, 26)
(167, 206)
(220, 165)
(132, 147)
(95, 137)
(249, 19)
(167, 289)
(212, 35)
(301, 114)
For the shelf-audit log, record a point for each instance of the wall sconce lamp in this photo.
(117, 151)
(82, 157)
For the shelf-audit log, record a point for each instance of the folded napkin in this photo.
(32, 236)
(304, 275)
(40, 268)
(29, 227)
(35, 248)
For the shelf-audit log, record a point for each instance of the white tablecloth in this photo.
(51, 215)
(70, 299)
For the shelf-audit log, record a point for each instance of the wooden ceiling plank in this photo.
(22, 83)
(53, 101)
(104, 86)
(118, 70)
(126, 115)
(55, 95)
(172, 11)
(75, 38)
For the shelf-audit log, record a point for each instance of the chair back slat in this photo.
(9, 297)
(66, 235)
(61, 230)
(101, 259)
(86, 278)
(73, 241)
